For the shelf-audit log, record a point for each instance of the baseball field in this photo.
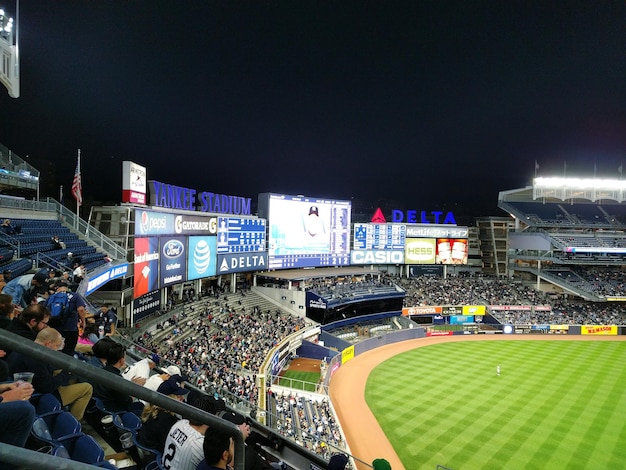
(557, 403)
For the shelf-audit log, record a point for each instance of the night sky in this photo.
(430, 104)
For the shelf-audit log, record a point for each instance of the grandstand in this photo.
(558, 270)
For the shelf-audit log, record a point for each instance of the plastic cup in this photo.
(23, 377)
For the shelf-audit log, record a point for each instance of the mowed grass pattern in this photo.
(556, 405)
(306, 381)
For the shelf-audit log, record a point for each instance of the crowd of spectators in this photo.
(349, 287)
(310, 423)
(223, 347)
(483, 290)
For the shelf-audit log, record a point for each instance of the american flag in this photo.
(77, 187)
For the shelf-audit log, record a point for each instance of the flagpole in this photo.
(78, 200)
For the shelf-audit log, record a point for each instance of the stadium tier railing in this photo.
(79, 368)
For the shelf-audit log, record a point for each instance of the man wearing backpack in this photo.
(67, 310)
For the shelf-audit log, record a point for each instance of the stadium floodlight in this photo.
(9, 53)
(593, 189)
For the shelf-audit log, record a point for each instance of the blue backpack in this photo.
(59, 306)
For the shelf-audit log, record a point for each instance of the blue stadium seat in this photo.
(46, 403)
(127, 421)
(83, 448)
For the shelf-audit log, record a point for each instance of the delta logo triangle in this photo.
(378, 217)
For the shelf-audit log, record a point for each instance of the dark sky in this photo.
(430, 103)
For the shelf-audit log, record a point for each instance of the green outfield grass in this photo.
(556, 405)
(306, 381)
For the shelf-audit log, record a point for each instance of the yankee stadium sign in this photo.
(176, 197)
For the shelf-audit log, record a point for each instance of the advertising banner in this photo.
(421, 311)
(376, 257)
(451, 251)
(599, 330)
(162, 223)
(173, 260)
(146, 305)
(113, 272)
(419, 251)
(134, 183)
(452, 310)
(146, 266)
(473, 309)
(315, 301)
(201, 257)
(241, 262)
(347, 354)
(461, 319)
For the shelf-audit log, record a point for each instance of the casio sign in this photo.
(376, 257)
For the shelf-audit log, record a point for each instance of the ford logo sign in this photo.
(173, 249)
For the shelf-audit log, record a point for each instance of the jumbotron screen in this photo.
(306, 231)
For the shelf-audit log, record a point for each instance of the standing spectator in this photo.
(76, 313)
(183, 446)
(22, 288)
(113, 399)
(70, 393)
(107, 318)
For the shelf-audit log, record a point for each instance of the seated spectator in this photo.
(115, 400)
(70, 393)
(139, 372)
(30, 322)
(87, 338)
(6, 311)
(17, 413)
(10, 229)
(79, 273)
(155, 380)
(4, 278)
(183, 446)
(253, 460)
(158, 421)
(22, 289)
(57, 243)
(99, 352)
(218, 450)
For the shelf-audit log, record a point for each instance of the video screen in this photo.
(306, 231)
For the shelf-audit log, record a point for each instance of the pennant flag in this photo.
(378, 217)
(77, 187)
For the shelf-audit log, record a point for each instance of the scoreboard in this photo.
(240, 235)
(379, 236)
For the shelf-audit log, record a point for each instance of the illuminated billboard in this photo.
(240, 235)
(306, 231)
(201, 257)
(379, 236)
(146, 277)
(419, 251)
(173, 260)
(134, 183)
(451, 251)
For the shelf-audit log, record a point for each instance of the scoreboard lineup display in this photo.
(240, 235)
(379, 236)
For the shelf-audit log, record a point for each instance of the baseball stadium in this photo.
(340, 342)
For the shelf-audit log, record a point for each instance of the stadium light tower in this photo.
(9, 52)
